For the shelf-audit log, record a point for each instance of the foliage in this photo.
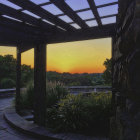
(8, 71)
(78, 113)
(76, 79)
(55, 91)
(26, 74)
(107, 75)
(27, 97)
(7, 83)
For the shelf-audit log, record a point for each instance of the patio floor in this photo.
(6, 132)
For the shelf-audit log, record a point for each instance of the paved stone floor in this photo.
(6, 132)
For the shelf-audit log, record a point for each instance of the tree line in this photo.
(8, 75)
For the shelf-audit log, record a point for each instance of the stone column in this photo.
(126, 72)
(40, 84)
(113, 86)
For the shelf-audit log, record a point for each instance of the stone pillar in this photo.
(40, 84)
(113, 88)
(18, 79)
(126, 72)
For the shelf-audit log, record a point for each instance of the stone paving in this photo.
(6, 132)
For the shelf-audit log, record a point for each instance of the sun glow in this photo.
(78, 57)
(74, 57)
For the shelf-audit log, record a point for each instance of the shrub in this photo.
(7, 83)
(27, 97)
(74, 113)
(66, 115)
(55, 91)
(77, 113)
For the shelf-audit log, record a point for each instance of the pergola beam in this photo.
(68, 11)
(95, 18)
(18, 26)
(10, 42)
(24, 28)
(81, 10)
(25, 46)
(46, 3)
(5, 10)
(94, 11)
(109, 4)
(91, 33)
(10, 33)
(7, 38)
(36, 9)
(104, 5)
(10, 37)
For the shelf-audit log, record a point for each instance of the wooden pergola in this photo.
(30, 24)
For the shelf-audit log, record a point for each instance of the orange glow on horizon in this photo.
(79, 57)
(73, 57)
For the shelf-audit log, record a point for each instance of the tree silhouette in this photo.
(107, 75)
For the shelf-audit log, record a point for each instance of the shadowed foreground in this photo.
(6, 132)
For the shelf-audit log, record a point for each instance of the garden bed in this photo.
(86, 114)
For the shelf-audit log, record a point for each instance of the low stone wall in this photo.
(39, 132)
(88, 89)
(125, 125)
(4, 93)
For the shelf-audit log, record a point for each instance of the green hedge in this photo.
(7, 83)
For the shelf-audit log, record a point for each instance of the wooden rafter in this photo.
(94, 11)
(19, 26)
(68, 11)
(76, 11)
(26, 4)
(46, 3)
(95, 18)
(5, 10)
(109, 16)
(109, 4)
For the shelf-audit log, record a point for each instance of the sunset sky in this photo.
(74, 57)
